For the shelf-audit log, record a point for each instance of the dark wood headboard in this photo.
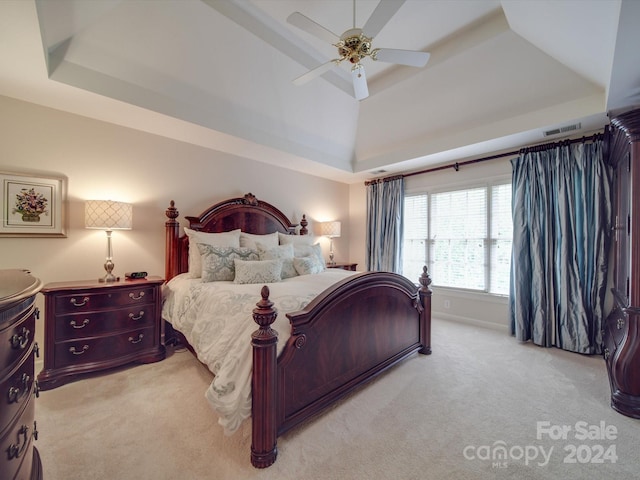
(246, 213)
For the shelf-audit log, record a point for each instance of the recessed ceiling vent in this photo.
(377, 172)
(565, 129)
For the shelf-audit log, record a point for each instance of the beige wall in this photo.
(104, 161)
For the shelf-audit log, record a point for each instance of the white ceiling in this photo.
(217, 73)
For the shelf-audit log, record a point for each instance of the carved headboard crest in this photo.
(250, 199)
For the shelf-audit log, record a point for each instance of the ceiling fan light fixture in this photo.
(360, 88)
(355, 45)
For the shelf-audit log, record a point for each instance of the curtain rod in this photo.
(456, 166)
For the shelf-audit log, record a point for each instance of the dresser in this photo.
(19, 459)
(621, 333)
(92, 326)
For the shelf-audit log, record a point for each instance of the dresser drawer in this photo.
(15, 391)
(90, 324)
(88, 301)
(16, 447)
(16, 341)
(101, 349)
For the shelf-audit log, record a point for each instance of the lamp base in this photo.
(109, 277)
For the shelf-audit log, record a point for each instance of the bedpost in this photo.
(425, 317)
(303, 225)
(264, 384)
(172, 227)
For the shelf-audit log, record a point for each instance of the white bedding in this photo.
(216, 318)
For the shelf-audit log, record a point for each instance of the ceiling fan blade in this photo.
(380, 16)
(360, 88)
(403, 57)
(316, 72)
(305, 23)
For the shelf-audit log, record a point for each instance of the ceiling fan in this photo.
(355, 45)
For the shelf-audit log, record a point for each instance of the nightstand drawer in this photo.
(87, 301)
(81, 325)
(89, 350)
(16, 390)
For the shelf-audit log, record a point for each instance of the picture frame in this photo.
(32, 205)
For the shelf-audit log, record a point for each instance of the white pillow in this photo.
(309, 251)
(307, 265)
(284, 253)
(261, 271)
(295, 239)
(249, 240)
(223, 239)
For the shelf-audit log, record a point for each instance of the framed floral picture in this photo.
(32, 206)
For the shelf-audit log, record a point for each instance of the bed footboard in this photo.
(349, 334)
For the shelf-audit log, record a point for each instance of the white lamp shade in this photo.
(330, 229)
(108, 215)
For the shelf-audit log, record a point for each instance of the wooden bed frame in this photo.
(347, 335)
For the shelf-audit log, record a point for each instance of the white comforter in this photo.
(216, 318)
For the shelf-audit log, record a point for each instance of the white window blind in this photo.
(463, 236)
(501, 237)
(458, 234)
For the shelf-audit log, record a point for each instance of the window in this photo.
(463, 236)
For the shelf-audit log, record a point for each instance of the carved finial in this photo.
(303, 225)
(172, 211)
(251, 199)
(264, 293)
(264, 314)
(425, 279)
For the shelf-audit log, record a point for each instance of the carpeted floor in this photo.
(442, 416)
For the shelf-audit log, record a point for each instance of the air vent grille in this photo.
(565, 129)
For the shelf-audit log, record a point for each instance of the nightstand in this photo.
(92, 326)
(344, 266)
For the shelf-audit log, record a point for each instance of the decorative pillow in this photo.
(249, 240)
(307, 265)
(217, 262)
(224, 239)
(263, 271)
(309, 251)
(284, 253)
(295, 239)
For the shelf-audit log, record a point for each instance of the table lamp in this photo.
(108, 215)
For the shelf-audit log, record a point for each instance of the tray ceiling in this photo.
(219, 74)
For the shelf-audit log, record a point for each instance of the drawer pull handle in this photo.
(75, 303)
(131, 339)
(133, 296)
(76, 352)
(133, 316)
(75, 325)
(15, 450)
(16, 393)
(20, 340)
